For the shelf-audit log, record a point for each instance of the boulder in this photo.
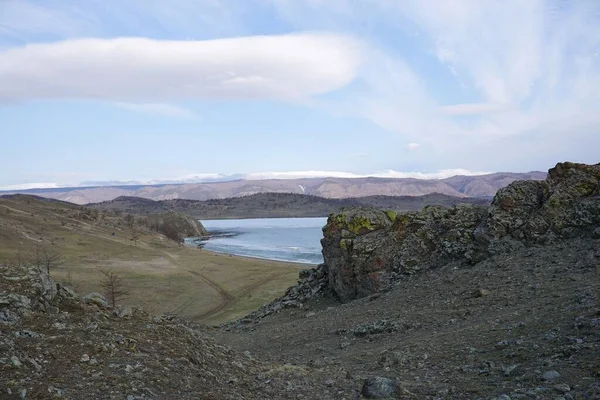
(96, 298)
(379, 388)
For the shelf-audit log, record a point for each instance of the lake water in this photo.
(283, 239)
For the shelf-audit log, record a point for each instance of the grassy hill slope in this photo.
(161, 275)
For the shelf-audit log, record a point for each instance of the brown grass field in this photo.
(160, 275)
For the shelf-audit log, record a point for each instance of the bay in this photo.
(282, 239)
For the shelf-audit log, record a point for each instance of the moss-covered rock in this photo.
(367, 250)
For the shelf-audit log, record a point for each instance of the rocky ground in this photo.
(461, 302)
(55, 345)
(524, 325)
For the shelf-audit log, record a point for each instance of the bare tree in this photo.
(135, 236)
(46, 257)
(113, 286)
(35, 256)
(130, 219)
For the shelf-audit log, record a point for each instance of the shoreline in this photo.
(274, 260)
(200, 241)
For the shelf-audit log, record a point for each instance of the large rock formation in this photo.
(366, 250)
(177, 226)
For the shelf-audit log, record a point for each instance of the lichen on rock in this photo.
(367, 250)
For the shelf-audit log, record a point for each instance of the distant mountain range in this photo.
(333, 188)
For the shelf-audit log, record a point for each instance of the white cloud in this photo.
(25, 186)
(515, 68)
(473, 108)
(441, 174)
(412, 146)
(285, 67)
(200, 177)
(166, 110)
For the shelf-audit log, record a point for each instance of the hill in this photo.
(161, 275)
(458, 186)
(272, 205)
(465, 302)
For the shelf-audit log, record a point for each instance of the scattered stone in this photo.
(123, 311)
(381, 326)
(59, 325)
(550, 375)
(15, 361)
(66, 292)
(481, 293)
(509, 342)
(8, 317)
(96, 298)
(35, 364)
(510, 369)
(27, 334)
(14, 300)
(379, 387)
(85, 358)
(562, 388)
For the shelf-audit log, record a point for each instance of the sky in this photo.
(189, 90)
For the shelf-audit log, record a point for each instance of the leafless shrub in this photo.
(114, 288)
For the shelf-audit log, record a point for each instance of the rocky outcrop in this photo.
(567, 204)
(312, 283)
(367, 250)
(177, 226)
(36, 292)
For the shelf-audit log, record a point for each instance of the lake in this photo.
(282, 239)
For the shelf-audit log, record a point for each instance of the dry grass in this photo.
(162, 276)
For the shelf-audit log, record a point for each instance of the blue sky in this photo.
(184, 90)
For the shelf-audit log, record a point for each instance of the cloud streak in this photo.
(285, 67)
(161, 109)
(515, 68)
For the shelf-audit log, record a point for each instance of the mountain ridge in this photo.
(458, 186)
(276, 205)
